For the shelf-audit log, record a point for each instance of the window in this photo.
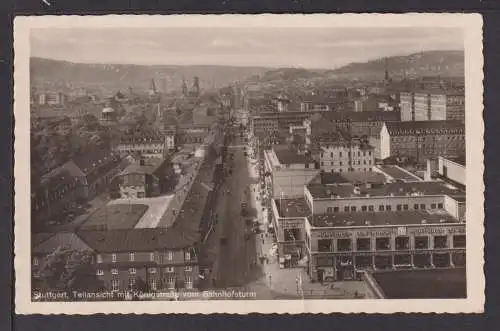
(335, 209)
(388, 207)
(325, 245)
(399, 207)
(340, 163)
(131, 257)
(187, 256)
(459, 241)
(346, 208)
(440, 206)
(402, 242)
(382, 243)
(405, 207)
(415, 206)
(353, 208)
(344, 245)
(371, 208)
(35, 261)
(132, 271)
(100, 272)
(170, 255)
(422, 206)
(99, 258)
(131, 283)
(153, 284)
(340, 154)
(363, 208)
(440, 242)
(113, 257)
(188, 268)
(169, 269)
(115, 285)
(363, 244)
(188, 283)
(421, 242)
(381, 208)
(114, 271)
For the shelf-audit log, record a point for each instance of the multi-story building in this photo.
(344, 156)
(419, 141)
(146, 178)
(53, 99)
(336, 230)
(287, 172)
(432, 105)
(149, 145)
(145, 260)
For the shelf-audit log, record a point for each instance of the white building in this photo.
(347, 156)
(287, 172)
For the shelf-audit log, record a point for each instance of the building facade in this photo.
(432, 106)
(422, 140)
(347, 156)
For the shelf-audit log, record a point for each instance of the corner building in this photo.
(337, 230)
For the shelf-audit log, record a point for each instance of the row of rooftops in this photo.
(182, 233)
(425, 127)
(338, 191)
(336, 116)
(298, 208)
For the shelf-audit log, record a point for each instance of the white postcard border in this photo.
(472, 25)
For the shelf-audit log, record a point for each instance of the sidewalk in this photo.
(291, 282)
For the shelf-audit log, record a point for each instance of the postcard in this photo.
(249, 164)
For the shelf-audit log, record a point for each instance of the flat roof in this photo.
(398, 174)
(423, 284)
(287, 156)
(292, 207)
(321, 191)
(412, 217)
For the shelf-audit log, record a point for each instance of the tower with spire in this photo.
(184, 88)
(152, 87)
(387, 78)
(196, 86)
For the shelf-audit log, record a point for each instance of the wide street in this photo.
(236, 257)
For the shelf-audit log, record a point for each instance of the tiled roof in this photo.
(66, 240)
(136, 240)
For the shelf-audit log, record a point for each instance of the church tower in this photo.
(196, 86)
(184, 88)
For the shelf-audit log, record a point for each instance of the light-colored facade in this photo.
(432, 106)
(287, 180)
(452, 170)
(347, 156)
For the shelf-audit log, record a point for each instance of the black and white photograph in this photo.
(249, 163)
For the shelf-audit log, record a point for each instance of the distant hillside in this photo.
(47, 73)
(289, 74)
(432, 63)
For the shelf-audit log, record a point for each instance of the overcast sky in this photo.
(269, 47)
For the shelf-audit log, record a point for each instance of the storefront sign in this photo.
(376, 233)
(437, 230)
(332, 234)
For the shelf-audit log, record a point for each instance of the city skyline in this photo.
(314, 48)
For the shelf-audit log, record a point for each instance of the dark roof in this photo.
(424, 127)
(66, 240)
(290, 208)
(287, 156)
(363, 116)
(58, 177)
(149, 167)
(459, 159)
(380, 218)
(136, 240)
(320, 191)
(423, 284)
